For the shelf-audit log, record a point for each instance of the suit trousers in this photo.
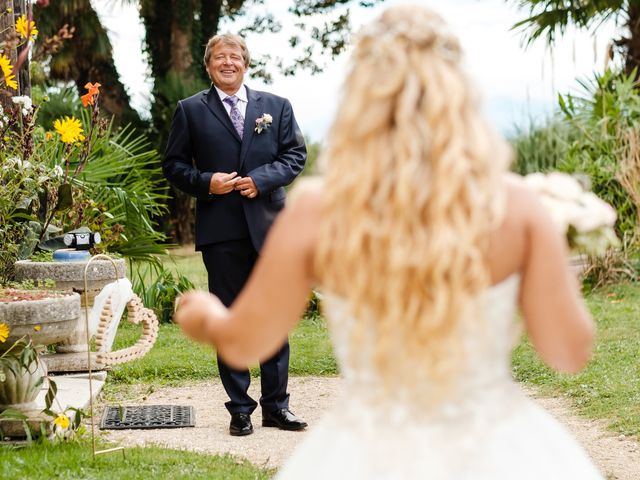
(229, 266)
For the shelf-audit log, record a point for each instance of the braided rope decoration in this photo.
(136, 313)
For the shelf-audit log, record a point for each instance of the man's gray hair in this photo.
(227, 39)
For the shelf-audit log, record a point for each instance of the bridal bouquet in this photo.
(586, 219)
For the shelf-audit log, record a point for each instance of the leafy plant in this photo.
(541, 147)
(19, 360)
(594, 134)
(87, 173)
(160, 293)
(601, 117)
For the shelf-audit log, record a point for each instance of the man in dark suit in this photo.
(235, 149)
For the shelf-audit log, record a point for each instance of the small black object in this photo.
(147, 416)
(81, 239)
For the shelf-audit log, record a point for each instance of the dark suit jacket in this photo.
(203, 141)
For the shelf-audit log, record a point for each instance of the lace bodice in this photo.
(487, 346)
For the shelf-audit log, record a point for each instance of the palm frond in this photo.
(552, 17)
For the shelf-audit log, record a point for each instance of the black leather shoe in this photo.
(240, 425)
(283, 419)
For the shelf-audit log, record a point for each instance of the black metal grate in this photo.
(147, 416)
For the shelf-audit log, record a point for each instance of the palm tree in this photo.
(551, 17)
(87, 57)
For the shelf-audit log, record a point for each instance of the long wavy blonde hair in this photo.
(411, 178)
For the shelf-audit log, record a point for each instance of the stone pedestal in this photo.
(70, 276)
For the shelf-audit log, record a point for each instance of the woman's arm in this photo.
(556, 318)
(272, 301)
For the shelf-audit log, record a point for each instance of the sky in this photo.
(516, 84)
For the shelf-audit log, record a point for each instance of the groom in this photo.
(235, 149)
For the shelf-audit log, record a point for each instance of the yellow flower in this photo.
(48, 135)
(27, 29)
(37, 328)
(7, 71)
(4, 332)
(10, 80)
(62, 421)
(70, 129)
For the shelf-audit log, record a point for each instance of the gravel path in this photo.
(617, 457)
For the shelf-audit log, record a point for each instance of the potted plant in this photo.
(21, 375)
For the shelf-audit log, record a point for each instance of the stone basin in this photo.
(48, 320)
(70, 275)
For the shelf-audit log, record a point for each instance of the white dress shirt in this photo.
(242, 100)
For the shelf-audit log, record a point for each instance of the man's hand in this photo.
(247, 187)
(222, 183)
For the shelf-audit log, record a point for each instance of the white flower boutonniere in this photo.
(263, 122)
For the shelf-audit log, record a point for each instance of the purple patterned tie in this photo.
(236, 116)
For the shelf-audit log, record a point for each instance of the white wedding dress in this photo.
(489, 429)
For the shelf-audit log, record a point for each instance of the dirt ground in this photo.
(617, 457)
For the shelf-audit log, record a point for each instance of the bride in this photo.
(423, 247)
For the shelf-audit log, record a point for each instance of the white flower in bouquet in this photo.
(585, 219)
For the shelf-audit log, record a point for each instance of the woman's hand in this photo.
(201, 316)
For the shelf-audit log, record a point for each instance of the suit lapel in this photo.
(213, 102)
(254, 110)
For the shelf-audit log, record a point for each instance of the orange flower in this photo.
(87, 99)
(93, 89)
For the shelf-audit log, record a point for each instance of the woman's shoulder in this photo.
(306, 191)
(523, 203)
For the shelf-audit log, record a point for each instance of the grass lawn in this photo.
(175, 359)
(609, 388)
(74, 461)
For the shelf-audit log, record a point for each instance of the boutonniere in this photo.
(263, 122)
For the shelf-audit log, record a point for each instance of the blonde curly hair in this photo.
(411, 178)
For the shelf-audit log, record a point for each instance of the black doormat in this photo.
(147, 416)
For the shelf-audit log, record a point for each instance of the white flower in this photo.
(25, 103)
(57, 171)
(586, 220)
(263, 123)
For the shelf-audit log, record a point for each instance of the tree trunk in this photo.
(8, 29)
(632, 43)
(181, 36)
(24, 80)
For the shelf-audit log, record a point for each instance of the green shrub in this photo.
(159, 288)
(541, 147)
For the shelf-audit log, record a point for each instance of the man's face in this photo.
(226, 68)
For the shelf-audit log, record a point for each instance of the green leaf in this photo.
(51, 394)
(65, 197)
